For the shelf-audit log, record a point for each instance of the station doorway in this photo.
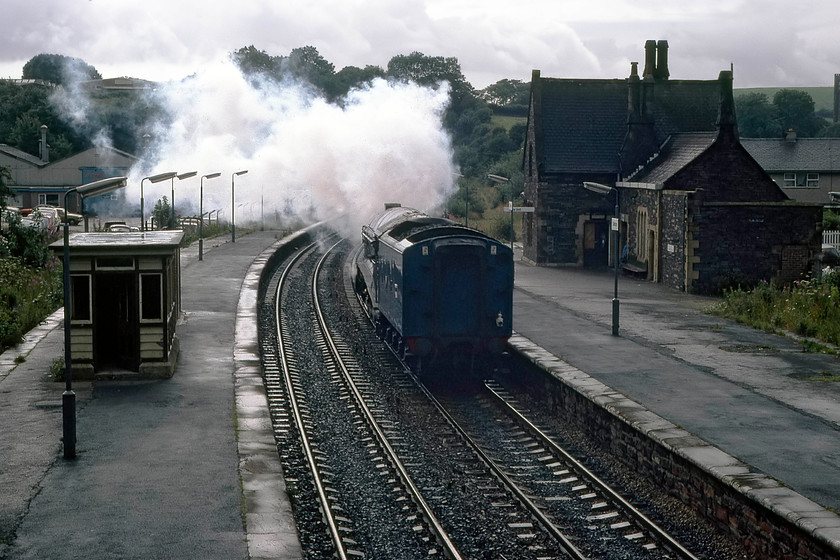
(596, 243)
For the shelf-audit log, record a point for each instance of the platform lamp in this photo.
(232, 223)
(68, 398)
(500, 179)
(201, 214)
(152, 179)
(181, 177)
(616, 225)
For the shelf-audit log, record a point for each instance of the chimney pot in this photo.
(650, 58)
(662, 72)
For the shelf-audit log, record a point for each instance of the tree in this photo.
(830, 131)
(23, 110)
(757, 118)
(252, 61)
(5, 191)
(162, 214)
(510, 97)
(796, 111)
(59, 69)
(351, 77)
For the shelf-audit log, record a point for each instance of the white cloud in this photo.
(771, 42)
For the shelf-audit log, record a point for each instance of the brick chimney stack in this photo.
(661, 72)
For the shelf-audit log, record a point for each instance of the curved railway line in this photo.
(378, 466)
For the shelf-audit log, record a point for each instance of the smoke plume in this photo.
(304, 156)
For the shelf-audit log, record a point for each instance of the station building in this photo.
(696, 211)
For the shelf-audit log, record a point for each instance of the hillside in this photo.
(823, 96)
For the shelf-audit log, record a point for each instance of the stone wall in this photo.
(767, 518)
(743, 244)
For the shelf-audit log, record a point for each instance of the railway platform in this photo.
(164, 468)
(767, 407)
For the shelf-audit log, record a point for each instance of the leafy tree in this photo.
(830, 131)
(307, 64)
(510, 97)
(252, 61)
(757, 118)
(796, 111)
(162, 214)
(59, 69)
(5, 191)
(23, 110)
(351, 77)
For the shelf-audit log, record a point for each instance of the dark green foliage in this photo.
(831, 220)
(23, 110)
(508, 97)
(790, 110)
(162, 214)
(59, 69)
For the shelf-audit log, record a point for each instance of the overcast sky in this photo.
(769, 42)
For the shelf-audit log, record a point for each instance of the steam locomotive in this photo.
(439, 292)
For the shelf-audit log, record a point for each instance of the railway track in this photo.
(377, 469)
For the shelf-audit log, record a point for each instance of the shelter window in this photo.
(790, 179)
(151, 297)
(812, 180)
(114, 263)
(80, 298)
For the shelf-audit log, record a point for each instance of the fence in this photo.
(831, 238)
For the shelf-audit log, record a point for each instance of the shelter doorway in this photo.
(116, 322)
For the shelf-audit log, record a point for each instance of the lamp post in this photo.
(201, 214)
(232, 185)
(152, 179)
(616, 224)
(180, 177)
(68, 398)
(500, 179)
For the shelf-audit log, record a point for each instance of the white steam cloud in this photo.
(304, 156)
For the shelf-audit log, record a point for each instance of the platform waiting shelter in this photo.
(125, 302)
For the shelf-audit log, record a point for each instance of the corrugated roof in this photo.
(804, 154)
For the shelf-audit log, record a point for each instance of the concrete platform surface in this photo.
(164, 469)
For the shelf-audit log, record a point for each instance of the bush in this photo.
(27, 296)
(807, 308)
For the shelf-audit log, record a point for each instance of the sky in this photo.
(385, 143)
(769, 42)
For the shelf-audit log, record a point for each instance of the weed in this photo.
(56, 372)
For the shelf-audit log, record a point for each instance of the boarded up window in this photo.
(794, 262)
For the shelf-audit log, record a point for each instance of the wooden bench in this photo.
(635, 268)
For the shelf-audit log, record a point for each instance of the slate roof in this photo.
(676, 154)
(583, 124)
(805, 154)
(686, 106)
